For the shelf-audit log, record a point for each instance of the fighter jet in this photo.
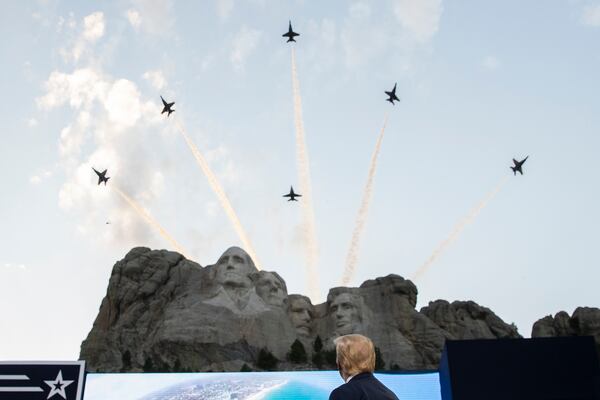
(392, 95)
(292, 196)
(167, 107)
(290, 34)
(101, 176)
(518, 165)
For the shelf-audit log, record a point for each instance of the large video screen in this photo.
(307, 385)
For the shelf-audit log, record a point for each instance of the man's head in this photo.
(301, 314)
(355, 354)
(271, 288)
(344, 308)
(234, 268)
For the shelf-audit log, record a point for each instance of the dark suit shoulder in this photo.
(363, 386)
(339, 393)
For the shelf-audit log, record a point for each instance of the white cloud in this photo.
(15, 266)
(107, 133)
(32, 122)
(591, 15)
(224, 8)
(156, 78)
(421, 18)
(72, 137)
(93, 29)
(123, 104)
(134, 18)
(155, 16)
(244, 44)
(38, 178)
(490, 62)
(70, 141)
(79, 89)
(93, 26)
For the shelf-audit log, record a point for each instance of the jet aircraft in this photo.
(518, 165)
(392, 95)
(101, 176)
(290, 34)
(167, 107)
(292, 196)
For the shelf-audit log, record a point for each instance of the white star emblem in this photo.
(58, 386)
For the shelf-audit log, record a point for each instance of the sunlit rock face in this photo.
(163, 312)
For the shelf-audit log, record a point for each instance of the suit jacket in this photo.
(363, 387)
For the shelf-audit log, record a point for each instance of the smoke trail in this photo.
(363, 212)
(309, 230)
(151, 221)
(457, 230)
(223, 199)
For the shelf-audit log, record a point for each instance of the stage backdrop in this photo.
(306, 385)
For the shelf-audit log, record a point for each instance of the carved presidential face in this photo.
(234, 268)
(271, 288)
(301, 314)
(345, 311)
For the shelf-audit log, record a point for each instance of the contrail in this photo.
(312, 250)
(457, 230)
(223, 199)
(363, 212)
(146, 215)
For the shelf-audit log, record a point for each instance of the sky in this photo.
(480, 83)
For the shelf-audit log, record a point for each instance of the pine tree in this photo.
(245, 368)
(297, 353)
(317, 359)
(126, 361)
(148, 365)
(379, 363)
(318, 345)
(266, 360)
(330, 357)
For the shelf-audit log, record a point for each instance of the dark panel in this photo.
(532, 369)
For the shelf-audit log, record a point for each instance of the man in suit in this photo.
(356, 363)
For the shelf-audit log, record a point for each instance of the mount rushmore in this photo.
(163, 312)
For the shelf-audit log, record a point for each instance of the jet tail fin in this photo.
(514, 170)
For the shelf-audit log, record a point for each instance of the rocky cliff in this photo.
(164, 312)
(585, 321)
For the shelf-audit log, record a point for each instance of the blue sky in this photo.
(480, 83)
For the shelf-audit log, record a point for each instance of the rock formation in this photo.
(467, 320)
(164, 312)
(585, 321)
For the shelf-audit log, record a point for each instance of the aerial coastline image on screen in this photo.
(246, 386)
